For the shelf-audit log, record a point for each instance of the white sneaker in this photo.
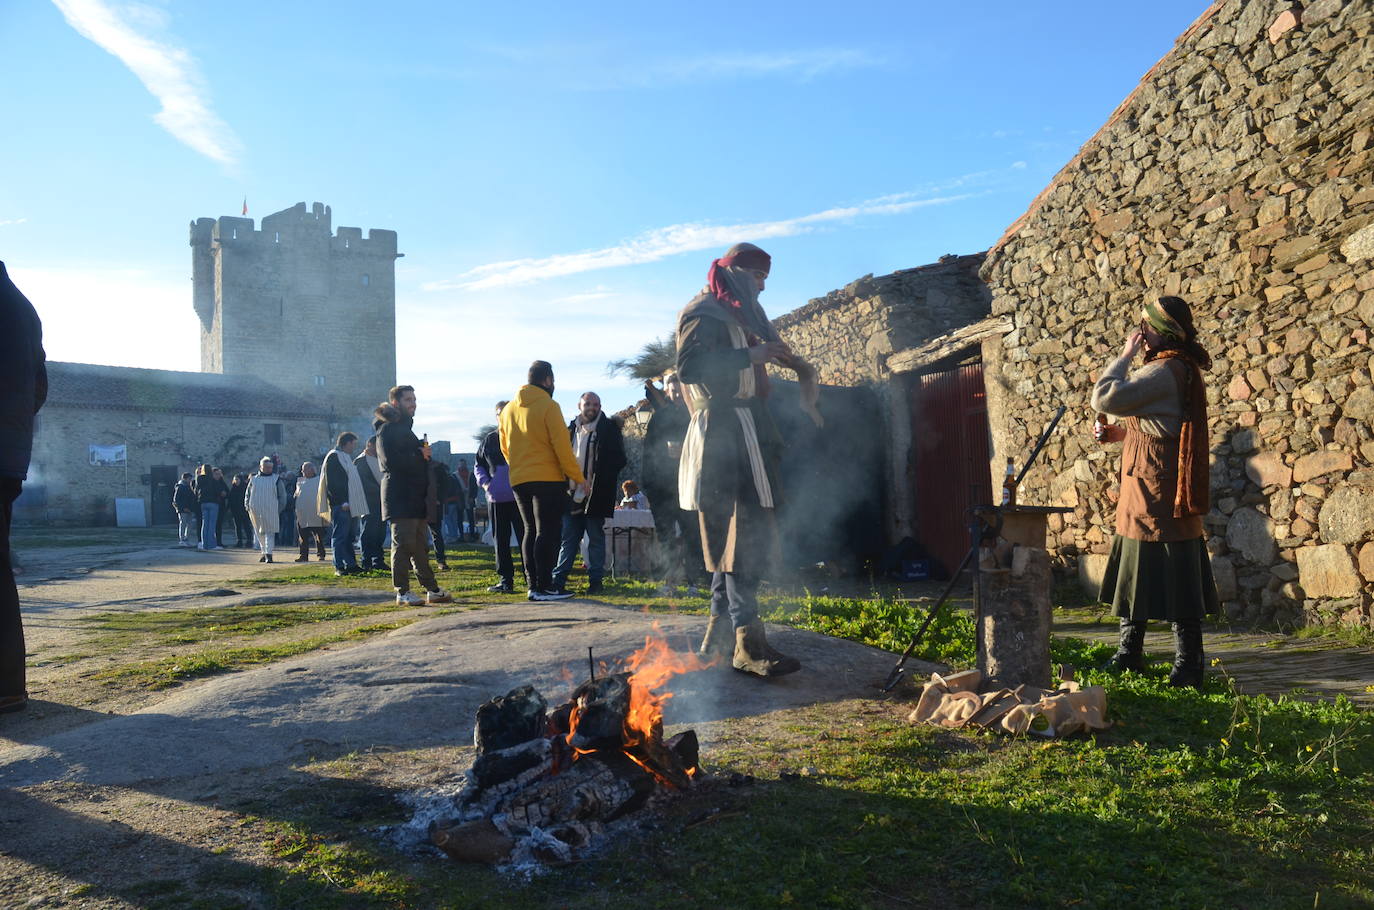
(438, 597)
(409, 600)
(201, 547)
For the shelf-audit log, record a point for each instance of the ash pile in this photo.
(549, 787)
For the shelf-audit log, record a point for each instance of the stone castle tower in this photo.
(308, 310)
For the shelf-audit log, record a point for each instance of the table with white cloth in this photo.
(631, 539)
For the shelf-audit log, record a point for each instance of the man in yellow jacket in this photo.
(534, 439)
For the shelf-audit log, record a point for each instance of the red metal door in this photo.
(949, 428)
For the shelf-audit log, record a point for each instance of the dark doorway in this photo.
(949, 430)
(162, 478)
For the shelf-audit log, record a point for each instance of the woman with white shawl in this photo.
(264, 507)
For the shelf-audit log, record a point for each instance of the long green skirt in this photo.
(1152, 580)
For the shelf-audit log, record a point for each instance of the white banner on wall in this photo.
(110, 456)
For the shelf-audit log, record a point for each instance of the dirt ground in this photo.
(115, 797)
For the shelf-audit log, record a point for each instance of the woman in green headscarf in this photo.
(1159, 567)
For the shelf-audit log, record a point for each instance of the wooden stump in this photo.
(1014, 628)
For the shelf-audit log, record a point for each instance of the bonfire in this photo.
(546, 784)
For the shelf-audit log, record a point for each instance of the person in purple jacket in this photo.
(493, 475)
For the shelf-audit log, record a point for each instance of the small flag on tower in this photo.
(245, 205)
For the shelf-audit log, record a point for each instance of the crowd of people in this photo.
(710, 477)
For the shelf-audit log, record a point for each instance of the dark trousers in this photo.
(677, 534)
(374, 531)
(243, 527)
(342, 539)
(306, 535)
(436, 530)
(541, 504)
(12, 675)
(736, 594)
(505, 517)
(219, 525)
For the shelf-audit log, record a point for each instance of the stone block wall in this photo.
(65, 488)
(1238, 176)
(848, 333)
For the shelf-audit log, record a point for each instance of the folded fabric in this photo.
(955, 702)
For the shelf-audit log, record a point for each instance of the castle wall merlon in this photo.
(229, 229)
(378, 242)
(202, 231)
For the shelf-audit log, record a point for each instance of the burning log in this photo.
(509, 720)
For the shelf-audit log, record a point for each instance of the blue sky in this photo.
(560, 176)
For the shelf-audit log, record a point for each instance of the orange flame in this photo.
(650, 668)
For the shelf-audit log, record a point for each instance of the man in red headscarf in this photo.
(728, 473)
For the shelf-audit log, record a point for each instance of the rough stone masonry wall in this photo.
(847, 334)
(1238, 177)
(73, 491)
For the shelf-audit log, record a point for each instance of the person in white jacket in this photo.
(308, 518)
(265, 503)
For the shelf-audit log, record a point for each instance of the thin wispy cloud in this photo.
(661, 243)
(167, 71)
(8, 222)
(802, 65)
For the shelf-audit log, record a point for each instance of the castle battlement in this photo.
(290, 226)
(259, 289)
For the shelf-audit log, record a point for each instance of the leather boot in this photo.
(1187, 669)
(1129, 650)
(716, 644)
(754, 655)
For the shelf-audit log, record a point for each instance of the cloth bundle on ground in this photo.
(954, 701)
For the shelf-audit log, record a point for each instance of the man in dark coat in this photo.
(600, 451)
(184, 502)
(404, 461)
(374, 526)
(334, 477)
(676, 531)
(23, 389)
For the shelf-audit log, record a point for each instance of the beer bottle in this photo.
(1009, 485)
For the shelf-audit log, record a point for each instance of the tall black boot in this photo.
(1129, 650)
(1187, 669)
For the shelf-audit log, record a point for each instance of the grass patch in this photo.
(169, 671)
(207, 624)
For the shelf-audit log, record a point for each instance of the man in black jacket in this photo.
(184, 502)
(600, 451)
(342, 508)
(676, 532)
(23, 389)
(374, 528)
(405, 488)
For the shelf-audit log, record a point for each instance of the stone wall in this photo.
(1236, 176)
(65, 488)
(848, 334)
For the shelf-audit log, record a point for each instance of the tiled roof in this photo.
(88, 385)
